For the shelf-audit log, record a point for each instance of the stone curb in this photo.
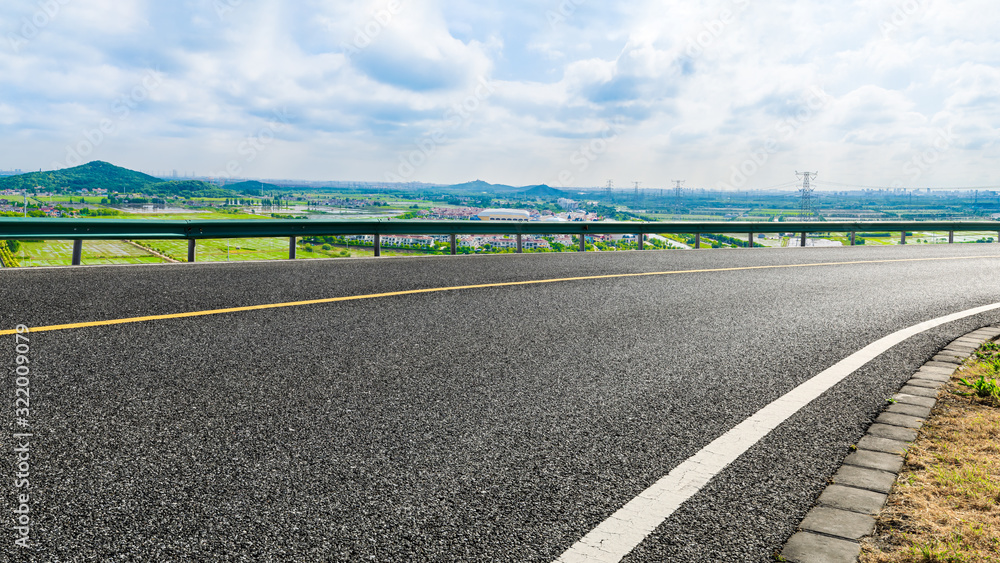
(846, 510)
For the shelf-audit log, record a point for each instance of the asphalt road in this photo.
(489, 424)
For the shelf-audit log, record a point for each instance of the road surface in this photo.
(497, 423)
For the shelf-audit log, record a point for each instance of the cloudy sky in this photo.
(733, 94)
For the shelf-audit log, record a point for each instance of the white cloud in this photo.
(696, 87)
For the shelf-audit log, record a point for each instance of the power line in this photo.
(940, 188)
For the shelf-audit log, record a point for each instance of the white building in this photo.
(504, 215)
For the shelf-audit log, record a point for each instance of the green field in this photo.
(60, 253)
(789, 212)
(216, 250)
(90, 199)
(205, 216)
(675, 217)
(257, 249)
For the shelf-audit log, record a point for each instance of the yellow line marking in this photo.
(110, 322)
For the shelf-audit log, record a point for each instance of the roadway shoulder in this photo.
(844, 512)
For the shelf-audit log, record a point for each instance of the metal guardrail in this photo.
(79, 230)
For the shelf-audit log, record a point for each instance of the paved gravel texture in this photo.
(496, 424)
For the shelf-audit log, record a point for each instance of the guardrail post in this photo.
(951, 237)
(77, 251)
(803, 243)
(378, 245)
(750, 236)
(291, 248)
(454, 243)
(520, 245)
(642, 241)
(902, 237)
(697, 241)
(583, 242)
(852, 238)
(191, 245)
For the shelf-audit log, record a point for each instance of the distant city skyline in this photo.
(732, 94)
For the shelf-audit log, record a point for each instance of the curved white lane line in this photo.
(614, 538)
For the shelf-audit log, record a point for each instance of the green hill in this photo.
(542, 191)
(188, 188)
(99, 174)
(527, 192)
(480, 186)
(89, 176)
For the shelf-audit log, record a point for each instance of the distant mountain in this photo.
(539, 191)
(480, 186)
(99, 174)
(542, 191)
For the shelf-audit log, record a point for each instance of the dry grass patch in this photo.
(945, 506)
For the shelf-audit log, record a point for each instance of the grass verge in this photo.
(945, 506)
(274, 248)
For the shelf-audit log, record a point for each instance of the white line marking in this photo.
(614, 538)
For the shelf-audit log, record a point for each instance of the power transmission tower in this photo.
(805, 207)
(610, 191)
(677, 192)
(637, 191)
